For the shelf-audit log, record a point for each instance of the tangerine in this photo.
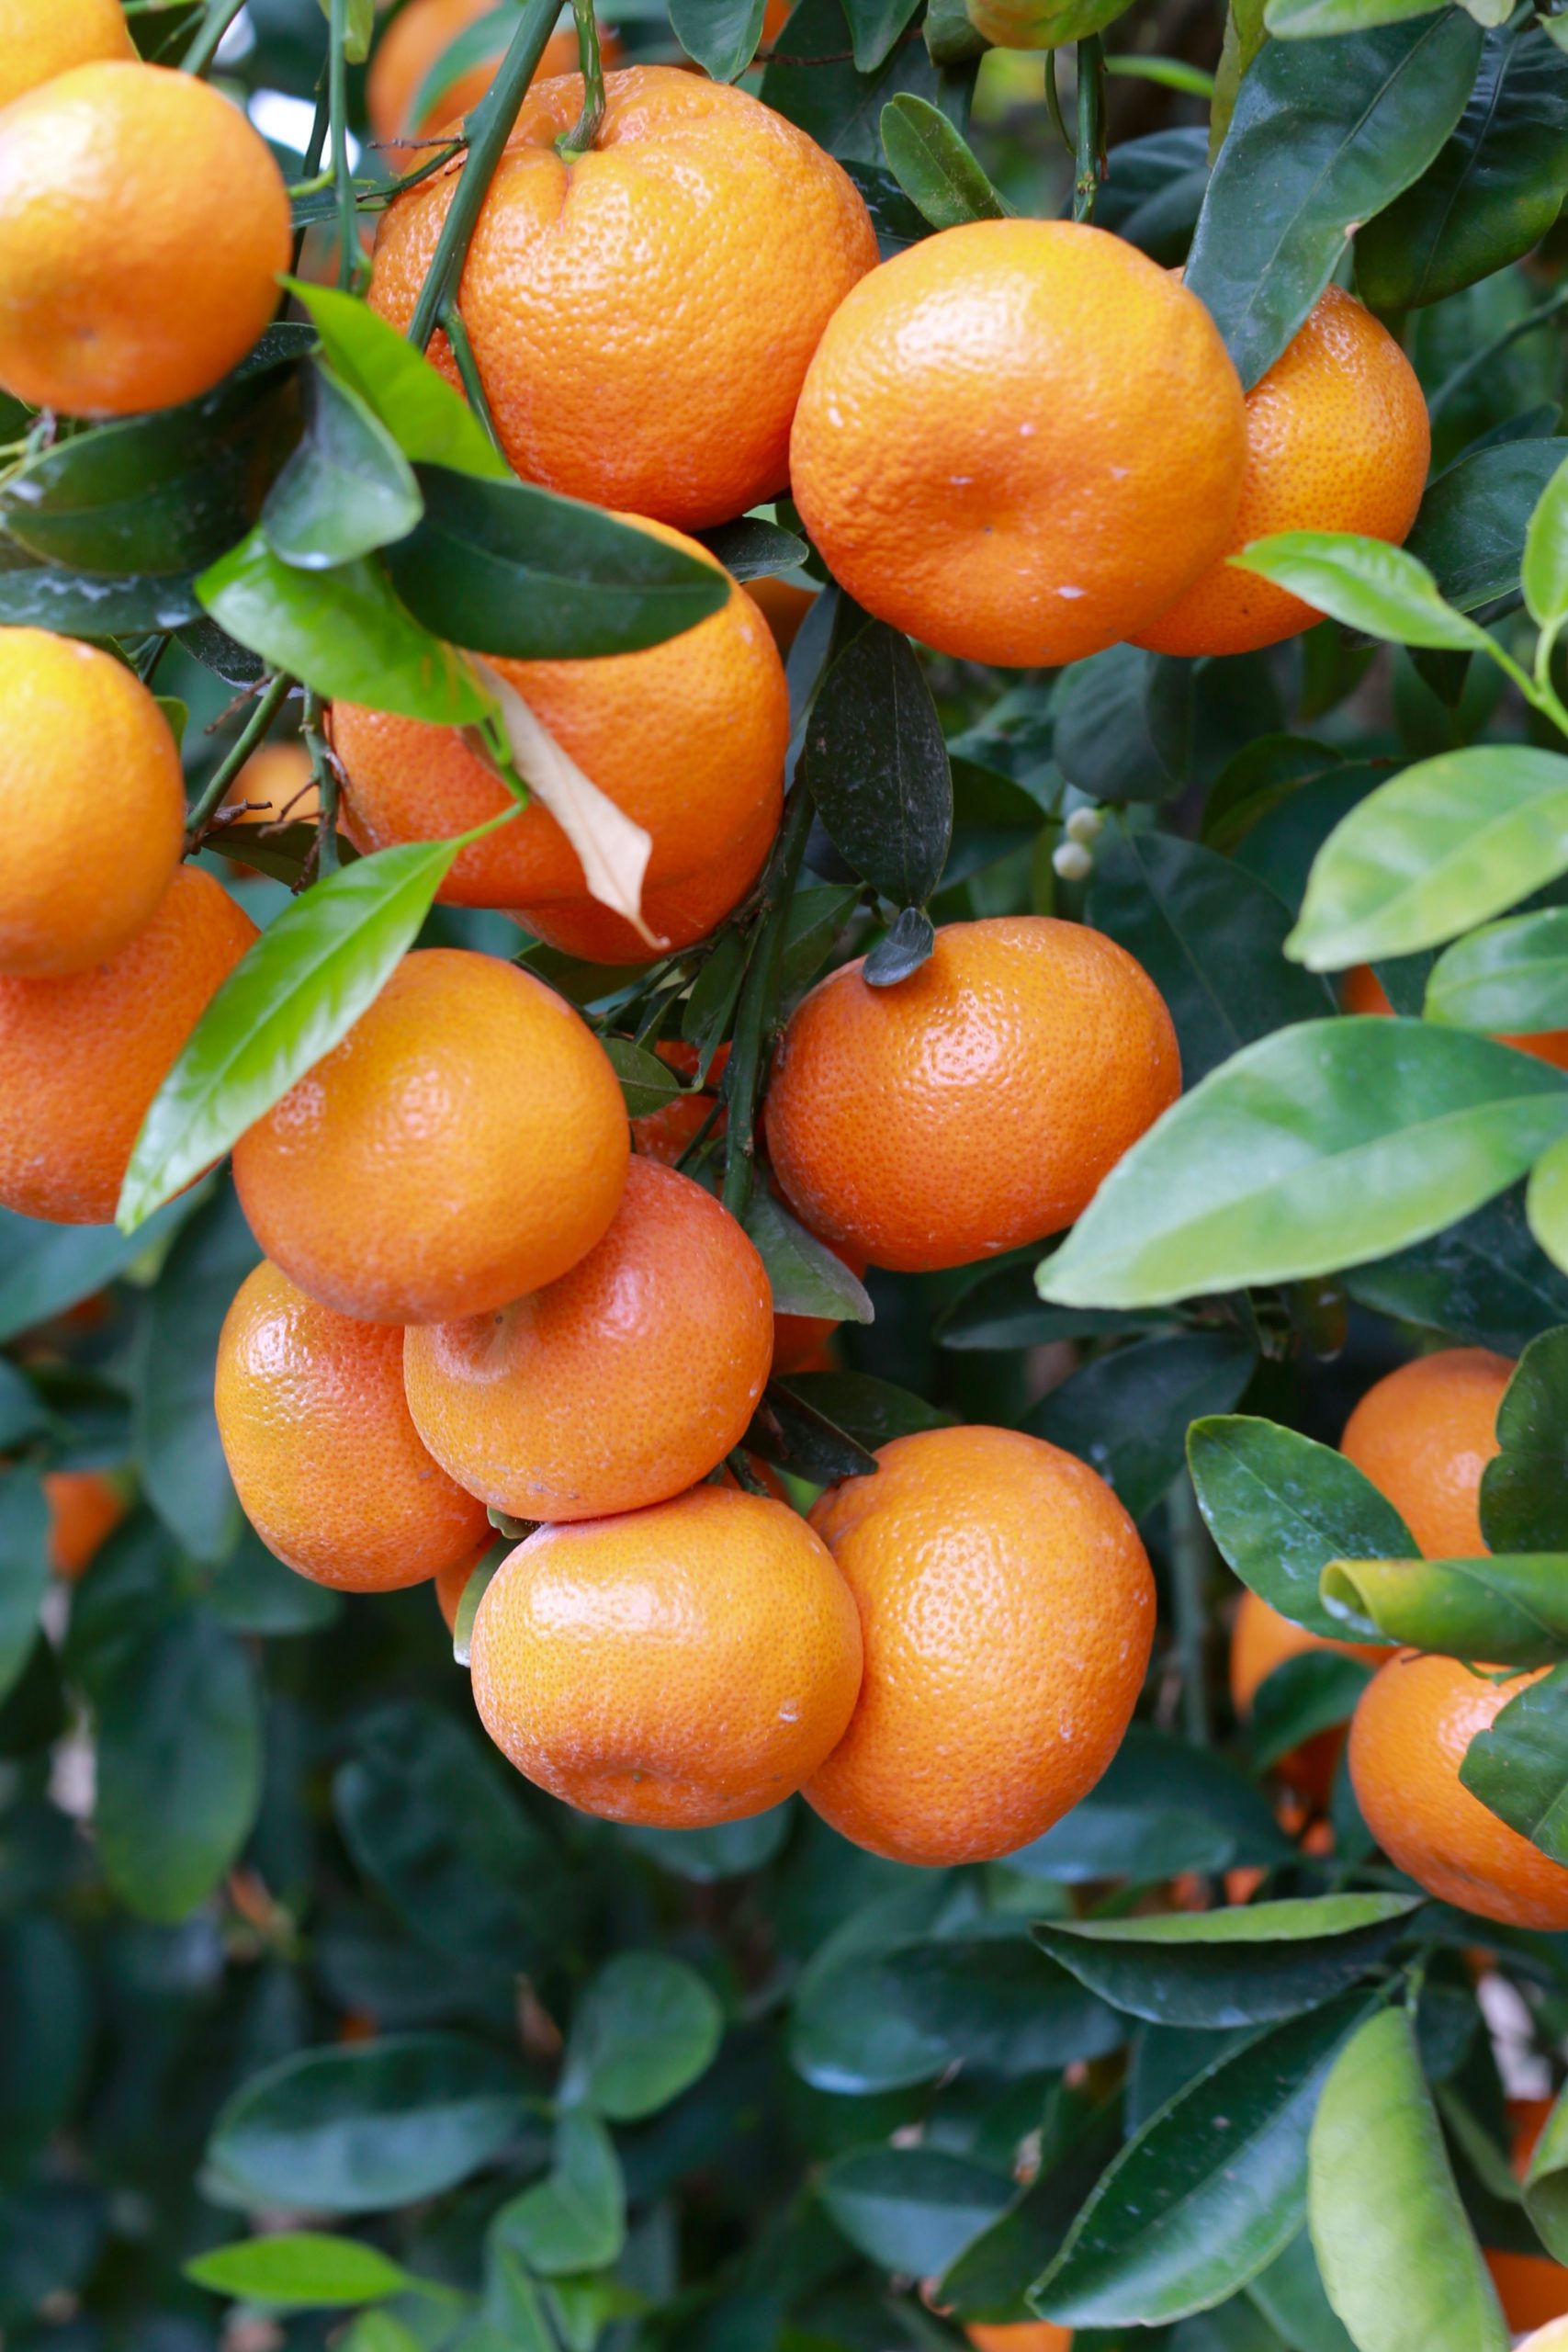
(1028, 2335)
(36, 43)
(1260, 1640)
(84, 1508)
(1423, 1434)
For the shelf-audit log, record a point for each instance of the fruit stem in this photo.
(492, 120)
(590, 65)
(457, 334)
(323, 769)
(758, 1009)
(206, 41)
(1089, 149)
(1189, 1561)
(228, 768)
(342, 178)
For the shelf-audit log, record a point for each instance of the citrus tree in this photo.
(783, 915)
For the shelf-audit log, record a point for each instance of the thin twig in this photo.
(457, 334)
(207, 40)
(342, 177)
(200, 821)
(1089, 147)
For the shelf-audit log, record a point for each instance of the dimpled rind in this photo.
(1020, 441)
(81, 1056)
(643, 318)
(678, 1667)
(977, 1105)
(1007, 1609)
(1338, 439)
(40, 38)
(620, 1384)
(465, 1143)
(1411, 1726)
(1424, 1435)
(324, 1456)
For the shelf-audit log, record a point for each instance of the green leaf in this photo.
(1127, 1414)
(505, 568)
(1518, 1765)
(297, 994)
(1511, 1611)
(836, 104)
(576, 2219)
(1484, 1282)
(935, 166)
(1243, 1965)
(469, 1601)
(908, 944)
(707, 1857)
(1161, 1807)
(179, 1741)
(1124, 725)
(911, 2209)
(347, 489)
(1495, 188)
(750, 549)
(647, 2027)
(24, 1567)
(1546, 1200)
(647, 1083)
(1364, 582)
(428, 418)
(794, 1436)
(1209, 2191)
(1291, 2296)
(1472, 527)
(376, 2125)
(870, 1411)
(1544, 572)
(1209, 936)
(45, 1268)
(178, 1451)
(87, 604)
(876, 765)
(299, 2271)
(341, 632)
(993, 2274)
(1398, 2258)
(1001, 1309)
(874, 27)
(1315, 20)
(1524, 1488)
(1156, 190)
(1546, 2182)
(721, 35)
(1324, 135)
(1508, 978)
(808, 1278)
(1313, 1692)
(251, 1592)
(1342, 1140)
(1279, 1506)
(47, 2000)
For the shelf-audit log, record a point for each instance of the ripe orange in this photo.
(784, 605)
(325, 1460)
(1260, 1640)
(278, 782)
(81, 1056)
(1531, 2288)
(977, 1106)
(420, 33)
(451, 1583)
(1020, 441)
(85, 1507)
(1030, 2335)
(77, 727)
(465, 1143)
(680, 1666)
(1408, 1737)
(40, 38)
(666, 1134)
(1362, 992)
(1338, 439)
(1007, 1607)
(618, 1385)
(643, 318)
(1424, 1435)
(142, 226)
(687, 737)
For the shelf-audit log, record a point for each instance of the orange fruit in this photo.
(664, 1135)
(1531, 2288)
(411, 45)
(451, 1583)
(465, 1143)
(325, 1459)
(687, 737)
(642, 318)
(618, 1385)
(1007, 1607)
(784, 605)
(1408, 1736)
(1362, 992)
(979, 1104)
(1260, 1640)
(679, 1666)
(85, 1507)
(73, 888)
(1020, 441)
(1424, 1435)
(278, 783)
(1030, 2335)
(143, 226)
(1338, 439)
(40, 38)
(81, 1056)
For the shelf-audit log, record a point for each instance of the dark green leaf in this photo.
(576, 2219)
(299, 2271)
(706, 1856)
(1291, 2295)
(1161, 1807)
(794, 1436)
(935, 166)
(901, 950)
(877, 767)
(347, 489)
(1524, 1489)
(722, 35)
(46, 1998)
(994, 2273)
(870, 1411)
(646, 2028)
(839, 105)
(752, 549)
(1484, 1282)
(1280, 1507)
(911, 2209)
(707, 1014)
(647, 1083)
(1518, 1765)
(806, 1277)
(1127, 1413)
(251, 1592)
(1124, 725)
(1002, 1308)
(1470, 531)
(894, 217)
(1154, 191)
(1301, 1697)
(1325, 134)
(85, 604)
(874, 27)
(428, 418)
(177, 1449)
(24, 1567)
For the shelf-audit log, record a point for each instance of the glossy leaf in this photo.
(1209, 2191)
(902, 949)
(1154, 191)
(1546, 2181)
(1473, 520)
(346, 490)
(1492, 190)
(575, 2219)
(1544, 575)
(1160, 1807)
(1507, 976)
(877, 767)
(24, 1567)
(993, 2274)
(506, 567)
(299, 2271)
(1124, 725)
(1518, 1765)
(870, 1411)
(829, 97)
(752, 549)
(428, 418)
(911, 2209)
(721, 35)
(90, 603)
(874, 27)
(646, 2028)
(1279, 1506)
(647, 1083)
(376, 2125)
(935, 166)
(1484, 1282)
(1324, 134)
(1342, 1140)
(1002, 1308)
(1511, 1609)
(792, 1435)
(1524, 1488)
(343, 632)
(1315, 19)
(1211, 939)
(1366, 583)
(177, 1449)
(1243, 1965)
(806, 1277)
(298, 991)
(1399, 2262)
(1127, 1413)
